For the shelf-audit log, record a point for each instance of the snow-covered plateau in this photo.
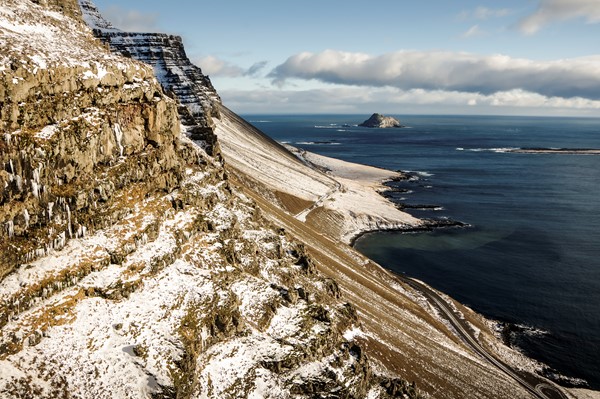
(153, 244)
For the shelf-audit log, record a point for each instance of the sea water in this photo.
(532, 254)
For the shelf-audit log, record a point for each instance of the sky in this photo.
(511, 57)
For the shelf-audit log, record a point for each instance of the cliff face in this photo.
(180, 78)
(131, 266)
(75, 121)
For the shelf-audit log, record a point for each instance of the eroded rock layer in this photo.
(179, 76)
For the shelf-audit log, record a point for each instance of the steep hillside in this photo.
(331, 203)
(314, 189)
(130, 266)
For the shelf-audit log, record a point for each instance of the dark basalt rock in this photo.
(180, 78)
(381, 121)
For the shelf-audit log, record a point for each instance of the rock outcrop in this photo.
(381, 121)
(79, 125)
(180, 78)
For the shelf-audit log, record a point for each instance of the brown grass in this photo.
(291, 203)
(404, 336)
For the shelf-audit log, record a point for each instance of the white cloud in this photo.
(550, 11)
(131, 20)
(483, 13)
(214, 66)
(392, 100)
(473, 31)
(448, 71)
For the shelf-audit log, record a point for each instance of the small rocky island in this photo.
(381, 121)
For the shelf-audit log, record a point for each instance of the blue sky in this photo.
(532, 57)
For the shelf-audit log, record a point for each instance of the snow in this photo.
(267, 385)
(119, 137)
(93, 18)
(286, 323)
(352, 333)
(39, 61)
(47, 132)
(43, 39)
(351, 190)
(249, 153)
(254, 295)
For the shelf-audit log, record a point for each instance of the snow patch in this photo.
(47, 132)
(119, 137)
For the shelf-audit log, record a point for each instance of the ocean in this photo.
(531, 256)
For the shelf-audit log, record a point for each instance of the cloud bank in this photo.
(447, 71)
(214, 66)
(550, 11)
(357, 100)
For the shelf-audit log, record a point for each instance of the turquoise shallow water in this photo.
(532, 256)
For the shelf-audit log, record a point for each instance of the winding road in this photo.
(537, 386)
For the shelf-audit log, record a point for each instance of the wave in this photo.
(260, 121)
(317, 143)
(531, 331)
(419, 173)
(496, 150)
(326, 126)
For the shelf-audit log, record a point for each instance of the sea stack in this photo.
(381, 121)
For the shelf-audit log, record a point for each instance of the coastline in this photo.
(371, 181)
(574, 388)
(359, 197)
(428, 225)
(339, 198)
(377, 185)
(342, 194)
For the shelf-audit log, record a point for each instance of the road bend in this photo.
(535, 385)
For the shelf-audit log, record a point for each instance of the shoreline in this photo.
(434, 225)
(535, 367)
(348, 196)
(575, 387)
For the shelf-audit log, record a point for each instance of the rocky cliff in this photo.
(381, 121)
(131, 267)
(181, 79)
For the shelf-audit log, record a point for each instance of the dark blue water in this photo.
(532, 256)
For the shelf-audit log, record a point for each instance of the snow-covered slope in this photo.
(340, 198)
(130, 266)
(201, 299)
